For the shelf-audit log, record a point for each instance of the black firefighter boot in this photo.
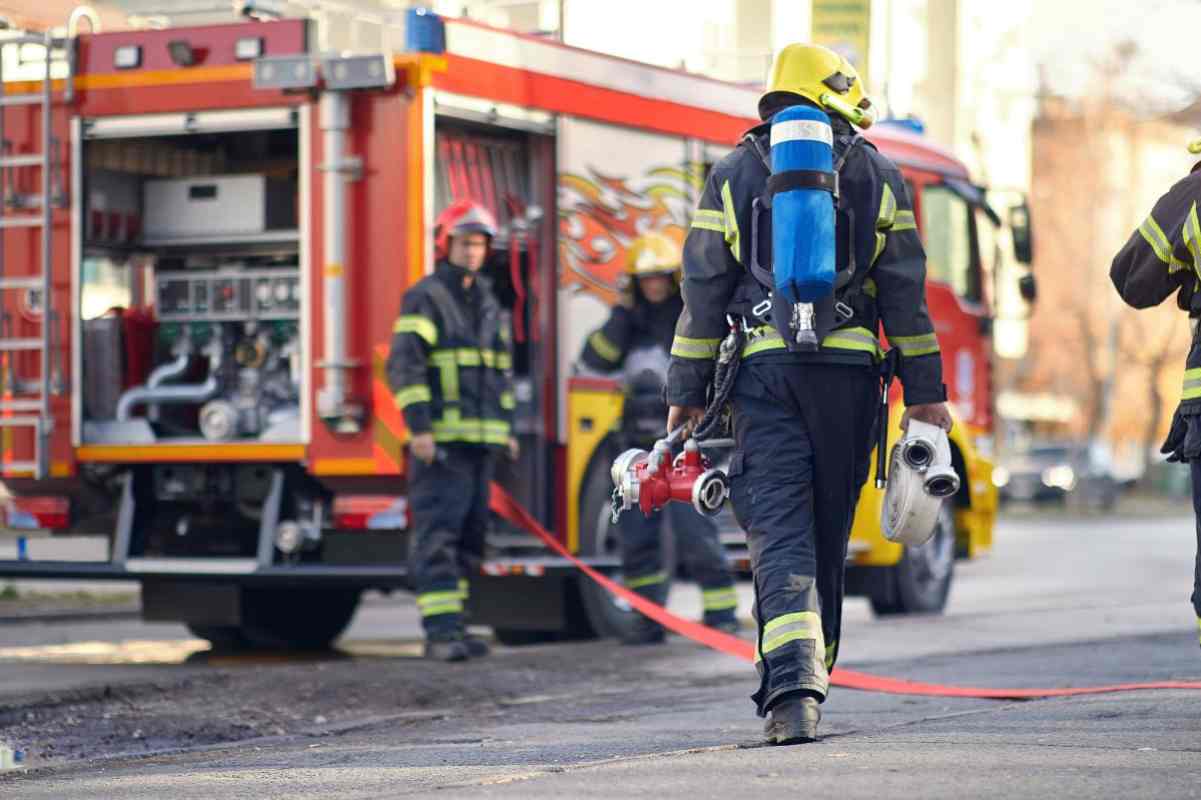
(643, 629)
(793, 719)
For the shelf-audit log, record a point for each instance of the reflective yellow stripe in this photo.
(709, 220)
(414, 323)
(888, 209)
(860, 339)
(645, 580)
(471, 357)
(881, 242)
(733, 238)
(719, 599)
(869, 287)
(448, 370)
(1155, 237)
(464, 589)
(913, 346)
(684, 347)
(604, 348)
(904, 221)
(762, 338)
(1192, 384)
(432, 604)
(790, 628)
(765, 337)
(1199, 629)
(472, 431)
(1192, 240)
(831, 651)
(507, 401)
(417, 393)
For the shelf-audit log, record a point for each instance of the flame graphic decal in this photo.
(599, 216)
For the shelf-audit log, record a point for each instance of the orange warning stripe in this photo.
(388, 444)
(133, 454)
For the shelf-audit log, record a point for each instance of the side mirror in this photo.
(1023, 236)
(1028, 287)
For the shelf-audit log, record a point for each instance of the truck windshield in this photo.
(947, 235)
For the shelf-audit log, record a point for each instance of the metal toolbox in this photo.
(218, 205)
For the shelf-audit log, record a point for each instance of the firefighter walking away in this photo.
(1163, 257)
(450, 368)
(807, 385)
(636, 340)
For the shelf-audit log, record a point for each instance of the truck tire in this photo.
(295, 618)
(608, 616)
(920, 582)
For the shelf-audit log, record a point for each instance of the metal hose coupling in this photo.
(921, 478)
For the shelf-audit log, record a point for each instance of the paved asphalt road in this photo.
(1060, 602)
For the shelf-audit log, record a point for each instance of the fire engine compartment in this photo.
(191, 289)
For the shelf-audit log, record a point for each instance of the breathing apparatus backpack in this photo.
(802, 231)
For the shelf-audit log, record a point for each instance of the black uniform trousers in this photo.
(449, 502)
(1196, 470)
(804, 435)
(699, 547)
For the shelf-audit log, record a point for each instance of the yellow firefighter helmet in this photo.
(821, 76)
(653, 253)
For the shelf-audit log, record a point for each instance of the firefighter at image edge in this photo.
(637, 338)
(1164, 256)
(803, 421)
(450, 367)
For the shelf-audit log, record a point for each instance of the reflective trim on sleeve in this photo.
(905, 221)
(1192, 384)
(464, 589)
(913, 346)
(417, 393)
(604, 348)
(1192, 240)
(1155, 237)
(881, 242)
(415, 323)
(720, 599)
(431, 604)
(888, 209)
(699, 349)
(708, 219)
(645, 580)
(733, 237)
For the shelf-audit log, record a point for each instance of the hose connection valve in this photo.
(650, 480)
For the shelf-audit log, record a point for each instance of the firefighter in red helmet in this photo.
(450, 369)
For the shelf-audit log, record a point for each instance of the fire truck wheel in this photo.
(295, 619)
(920, 582)
(607, 615)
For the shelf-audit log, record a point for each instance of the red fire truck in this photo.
(205, 235)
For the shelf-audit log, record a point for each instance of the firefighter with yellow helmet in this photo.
(803, 411)
(635, 341)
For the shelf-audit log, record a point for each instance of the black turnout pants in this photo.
(449, 502)
(804, 437)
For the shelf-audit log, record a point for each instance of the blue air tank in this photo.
(802, 216)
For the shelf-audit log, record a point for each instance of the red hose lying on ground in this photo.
(508, 508)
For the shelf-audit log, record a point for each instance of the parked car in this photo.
(1058, 472)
